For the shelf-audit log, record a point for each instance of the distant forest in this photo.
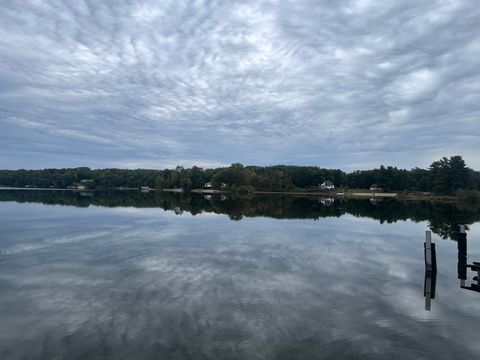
(446, 176)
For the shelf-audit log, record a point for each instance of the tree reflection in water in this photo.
(443, 218)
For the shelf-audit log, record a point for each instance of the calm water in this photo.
(144, 276)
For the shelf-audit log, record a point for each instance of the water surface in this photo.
(145, 276)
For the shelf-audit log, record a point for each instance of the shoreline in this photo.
(355, 194)
(347, 195)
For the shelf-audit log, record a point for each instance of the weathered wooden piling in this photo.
(430, 253)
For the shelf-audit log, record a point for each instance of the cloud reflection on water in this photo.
(207, 287)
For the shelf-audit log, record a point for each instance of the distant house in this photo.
(375, 187)
(208, 185)
(223, 185)
(327, 185)
(145, 189)
(82, 185)
(77, 186)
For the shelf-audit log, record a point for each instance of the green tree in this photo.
(450, 175)
(459, 174)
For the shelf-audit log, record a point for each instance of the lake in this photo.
(127, 275)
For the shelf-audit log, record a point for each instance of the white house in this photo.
(208, 185)
(327, 185)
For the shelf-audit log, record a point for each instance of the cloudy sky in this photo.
(147, 83)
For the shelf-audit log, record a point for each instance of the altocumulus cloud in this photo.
(348, 84)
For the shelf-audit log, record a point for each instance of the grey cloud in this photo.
(344, 84)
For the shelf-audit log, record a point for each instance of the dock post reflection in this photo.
(463, 265)
(430, 281)
(462, 256)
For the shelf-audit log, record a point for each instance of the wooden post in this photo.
(428, 251)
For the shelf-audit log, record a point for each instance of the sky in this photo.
(155, 84)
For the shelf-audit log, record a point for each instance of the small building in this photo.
(327, 185)
(145, 189)
(375, 187)
(82, 185)
(208, 185)
(223, 185)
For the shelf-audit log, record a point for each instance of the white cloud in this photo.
(416, 85)
(256, 82)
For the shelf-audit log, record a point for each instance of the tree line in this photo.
(445, 176)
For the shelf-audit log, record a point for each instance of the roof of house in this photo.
(327, 183)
